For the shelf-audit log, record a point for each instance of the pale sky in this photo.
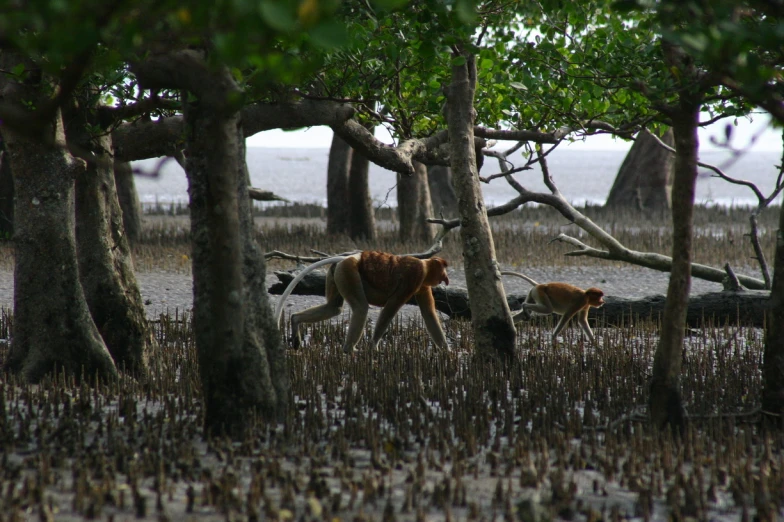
(321, 137)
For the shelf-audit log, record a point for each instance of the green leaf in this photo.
(435, 84)
(519, 86)
(458, 61)
(466, 11)
(329, 35)
(486, 64)
(18, 69)
(698, 42)
(389, 5)
(278, 15)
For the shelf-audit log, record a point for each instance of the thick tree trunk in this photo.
(773, 363)
(338, 209)
(53, 330)
(270, 372)
(491, 319)
(362, 222)
(104, 255)
(442, 193)
(665, 399)
(414, 206)
(644, 181)
(6, 195)
(241, 360)
(129, 201)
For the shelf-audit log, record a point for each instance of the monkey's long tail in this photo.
(522, 276)
(294, 282)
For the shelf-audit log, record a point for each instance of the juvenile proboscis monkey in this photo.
(373, 278)
(562, 298)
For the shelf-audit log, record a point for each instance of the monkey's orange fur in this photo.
(563, 299)
(380, 279)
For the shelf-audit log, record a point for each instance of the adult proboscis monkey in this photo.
(373, 278)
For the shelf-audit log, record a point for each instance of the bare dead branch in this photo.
(613, 249)
(277, 254)
(762, 203)
(655, 261)
(264, 195)
(156, 170)
(488, 179)
(758, 253)
(435, 248)
(548, 179)
(718, 172)
(582, 248)
(731, 282)
(180, 157)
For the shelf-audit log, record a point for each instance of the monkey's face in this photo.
(595, 297)
(436, 271)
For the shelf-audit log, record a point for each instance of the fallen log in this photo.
(745, 308)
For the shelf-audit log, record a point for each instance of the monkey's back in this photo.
(386, 274)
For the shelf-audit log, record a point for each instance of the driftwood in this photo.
(264, 195)
(742, 308)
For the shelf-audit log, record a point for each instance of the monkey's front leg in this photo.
(582, 319)
(427, 306)
(388, 313)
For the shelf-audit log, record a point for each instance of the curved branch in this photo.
(655, 261)
(163, 137)
(396, 158)
(719, 173)
(615, 250)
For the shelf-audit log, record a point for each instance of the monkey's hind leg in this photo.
(328, 310)
(349, 284)
(535, 303)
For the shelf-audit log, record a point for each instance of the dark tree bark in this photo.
(6, 195)
(264, 347)
(414, 206)
(773, 363)
(53, 330)
(338, 209)
(644, 181)
(241, 358)
(129, 201)
(491, 319)
(665, 399)
(362, 222)
(442, 193)
(164, 136)
(212, 170)
(104, 254)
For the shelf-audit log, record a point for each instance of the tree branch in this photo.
(654, 261)
(615, 250)
(163, 137)
(264, 195)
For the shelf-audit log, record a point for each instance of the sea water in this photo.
(583, 176)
